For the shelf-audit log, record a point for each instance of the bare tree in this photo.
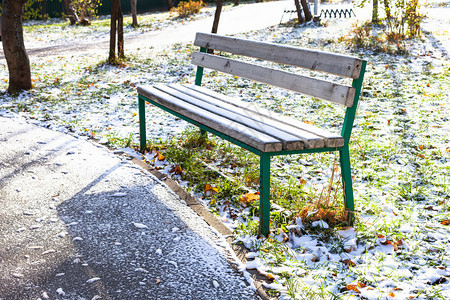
(14, 47)
(116, 28)
(71, 13)
(134, 13)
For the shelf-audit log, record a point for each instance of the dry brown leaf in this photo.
(158, 281)
(352, 287)
(348, 263)
(176, 169)
(394, 244)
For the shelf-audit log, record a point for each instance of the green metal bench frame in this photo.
(265, 157)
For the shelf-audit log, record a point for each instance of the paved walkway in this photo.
(79, 222)
(243, 18)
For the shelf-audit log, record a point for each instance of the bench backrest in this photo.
(340, 65)
(336, 64)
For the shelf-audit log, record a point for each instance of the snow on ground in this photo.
(399, 249)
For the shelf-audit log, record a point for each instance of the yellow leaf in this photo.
(249, 197)
(210, 190)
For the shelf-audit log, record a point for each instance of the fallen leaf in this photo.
(445, 222)
(158, 281)
(176, 169)
(394, 244)
(248, 198)
(210, 190)
(348, 263)
(160, 156)
(352, 287)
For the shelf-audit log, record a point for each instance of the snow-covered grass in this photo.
(59, 32)
(398, 248)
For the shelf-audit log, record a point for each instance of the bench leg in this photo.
(142, 127)
(344, 158)
(264, 193)
(203, 133)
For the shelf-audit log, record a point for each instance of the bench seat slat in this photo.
(330, 139)
(290, 142)
(249, 111)
(235, 130)
(341, 65)
(322, 89)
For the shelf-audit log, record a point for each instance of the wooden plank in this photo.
(290, 142)
(331, 139)
(341, 65)
(235, 130)
(322, 89)
(249, 111)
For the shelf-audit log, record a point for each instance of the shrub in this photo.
(185, 9)
(374, 37)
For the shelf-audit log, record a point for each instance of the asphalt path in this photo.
(80, 222)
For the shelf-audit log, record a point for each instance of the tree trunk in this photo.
(306, 11)
(120, 49)
(71, 13)
(134, 13)
(236, 2)
(116, 28)
(112, 34)
(215, 27)
(387, 9)
(14, 47)
(375, 11)
(299, 12)
(169, 5)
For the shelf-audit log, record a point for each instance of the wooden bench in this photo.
(259, 130)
